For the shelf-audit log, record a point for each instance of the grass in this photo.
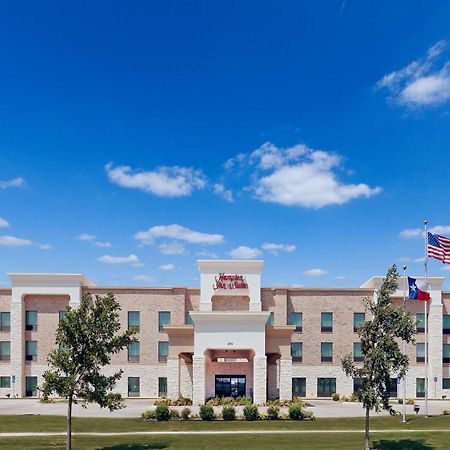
(422, 440)
(58, 423)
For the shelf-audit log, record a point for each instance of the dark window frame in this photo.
(326, 329)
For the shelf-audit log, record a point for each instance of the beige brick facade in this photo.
(267, 366)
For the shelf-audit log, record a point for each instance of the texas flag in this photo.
(418, 290)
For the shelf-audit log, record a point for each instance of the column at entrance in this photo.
(259, 379)
(285, 378)
(198, 380)
(173, 377)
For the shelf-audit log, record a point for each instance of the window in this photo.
(326, 322)
(5, 321)
(420, 387)
(393, 388)
(296, 351)
(298, 387)
(446, 353)
(326, 351)
(270, 320)
(134, 386)
(5, 382)
(163, 319)
(189, 320)
(163, 351)
(5, 350)
(31, 386)
(134, 351)
(357, 385)
(420, 352)
(358, 320)
(30, 350)
(296, 318)
(162, 386)
(420, 322)
(61, 315)
(357, 352)
(31, 320)
(445, 383)
(326, 387)
(446, 324)
(134, 320)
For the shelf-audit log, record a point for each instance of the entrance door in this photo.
(230, 385)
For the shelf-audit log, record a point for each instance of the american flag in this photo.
(439, 247)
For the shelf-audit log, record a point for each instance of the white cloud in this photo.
(244, 252)
(103, 244)
(423, 82)
(275, 248)
(315, 272)
(178, 232)
(173, 181)
(15, 182)
(12, 241)
(172, 248)
(86, 237)
(45, 246)
(207, 254)
(144, 278)
(300, 176)
(130, 259)
(4, 223)
(445, 268)
(227, 195)
(167, 267)
(340, 277)
(411, 233)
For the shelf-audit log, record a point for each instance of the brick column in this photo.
(17, 337)
(173, 378)
(285, 378)
(198, 380)
(435, 351)
(259, 379)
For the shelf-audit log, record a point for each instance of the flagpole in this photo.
(404, 346)
(425, 223)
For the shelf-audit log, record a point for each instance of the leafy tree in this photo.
(87, 337)
(380, 337)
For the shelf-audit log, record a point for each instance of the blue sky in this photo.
(138, 137)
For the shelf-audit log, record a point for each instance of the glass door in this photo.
(230, 385)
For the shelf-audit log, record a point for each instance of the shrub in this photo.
(228, 413)
(410, 401)
(213, 401)
(446, 412)
(244, 400)
(185, 413)
(273, 412)
(295, 412)
(207, 413)
(162, 413)
(195, 417)
(309, 415)
(264, 416)
(182, 401)
(163, 402)
(353, 398)
(45, 399)
(174, 414)
(251, 412)
(149, 414)
(400, 401)
(284, 416)
(227, 401)
(335, 396)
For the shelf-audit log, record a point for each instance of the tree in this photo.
(383, 358)
(87, 337)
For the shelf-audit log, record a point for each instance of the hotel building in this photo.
(230, 337)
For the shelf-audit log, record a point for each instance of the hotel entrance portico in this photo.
(226, 351)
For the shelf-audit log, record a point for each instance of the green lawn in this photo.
(58, 423)
(422, 441)
(385, 441)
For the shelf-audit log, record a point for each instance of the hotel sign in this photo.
(230, 282)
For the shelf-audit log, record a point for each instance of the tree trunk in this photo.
(69, 423)
(366, 431)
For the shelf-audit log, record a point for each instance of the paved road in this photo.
(134, 407)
